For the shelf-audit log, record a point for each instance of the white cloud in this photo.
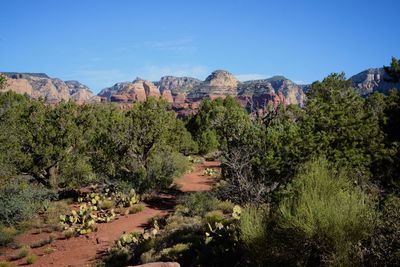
(251, 76)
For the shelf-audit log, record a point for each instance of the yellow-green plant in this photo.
(31, 259)
(82, 221)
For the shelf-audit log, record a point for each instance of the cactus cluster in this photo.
(97, 208)
(223, 228)
(81, 221)
(123, 200)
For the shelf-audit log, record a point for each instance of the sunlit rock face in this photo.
(52, 90)
(373, 80)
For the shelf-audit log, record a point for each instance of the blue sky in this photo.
(103, 42)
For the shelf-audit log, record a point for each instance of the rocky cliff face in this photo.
(185, 93)
(275, 89)
(138, 90)
(52, 90)
(373, 80)
(176, 84)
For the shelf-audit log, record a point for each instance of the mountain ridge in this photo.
(186, 93)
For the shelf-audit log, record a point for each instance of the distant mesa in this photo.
(186, 93)
(52, 90)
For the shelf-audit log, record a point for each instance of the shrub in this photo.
(75, 172)
(106, 204)
(199, 203)
(6, 264)
(67, 234)
(383, 247)
(23, 252)
(53, 212)
(213, 217)
(136, 208)
(253, 232)
(7, 235)
(163, 167)
(20, 200)
(175, 252)
(31, 259)
(42, 243)
(329, 212)
(49, 250)
(226, 206)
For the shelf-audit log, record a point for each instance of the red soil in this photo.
(83, 250)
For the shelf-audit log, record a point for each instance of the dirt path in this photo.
(82, 250)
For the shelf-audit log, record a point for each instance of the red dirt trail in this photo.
(83, 250)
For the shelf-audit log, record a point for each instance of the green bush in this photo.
(253, 232)
(226, 206)
(163, 167)
(135, 208)
(75, 172)
(19, 200)
(175, 252)
(331, 213)
(199, 203)
(6, 264)
(7, 235)
(383, 247)
(31, 259)
(213, 217)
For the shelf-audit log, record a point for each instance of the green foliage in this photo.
(3, 81)
(21, 253)
(19, 200)
(12, 157)
(336, 125)
(31, 259)
(163, 167)
(282, 146)
(7, 235)
(136, 208)
(201, 126)
(69, 146)
(198, 204)
(329, 212)
(252, 228)
(393, 70)
(143, 146)
(6, 264)
(175, 252)
(208, 238)
(213, 217)
(81, 221)
(383, 247)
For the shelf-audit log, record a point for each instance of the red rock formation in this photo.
(167, 95)
(180, 98)
(195, 104)
(150, 89)
(279, 99)
(119, 98)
